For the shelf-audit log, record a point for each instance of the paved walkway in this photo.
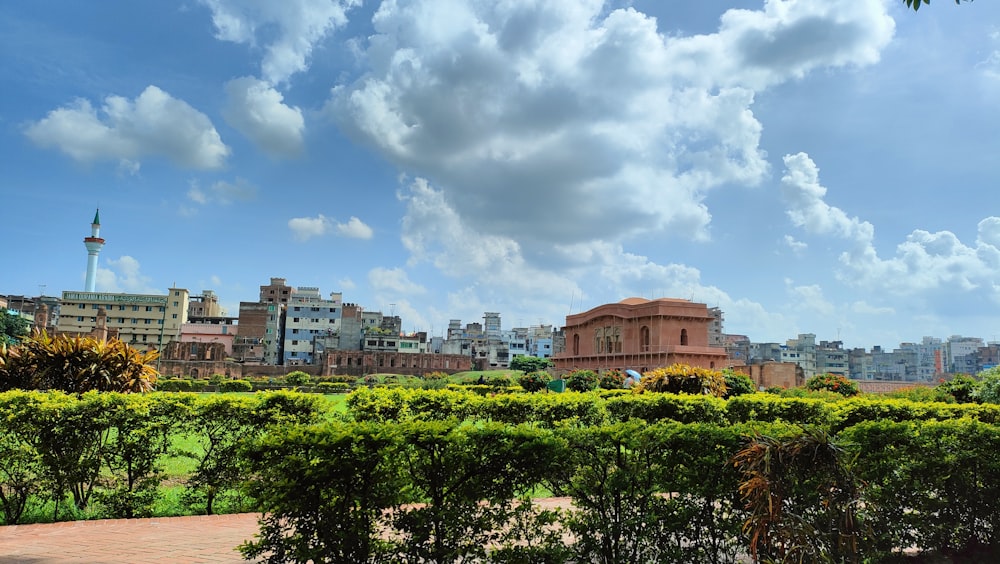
(180, 540)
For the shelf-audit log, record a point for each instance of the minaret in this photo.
(94, 244)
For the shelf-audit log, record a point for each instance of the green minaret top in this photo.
(97, 217)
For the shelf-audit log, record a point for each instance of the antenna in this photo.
(571, 297)
(41, 290)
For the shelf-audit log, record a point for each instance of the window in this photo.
(296, 308)
(295, 319)
(145, 322)
(644, 339)
(93, 320)
(174, 316)
(176, 293)
(161, 308)
(576, 344)
(121, 308)
(332, 320)
(144, 338)
(684, 336)
(176, 304)
(135, 308)
(79, 318)
(93, 306)
(83, 306)
(295, 342)
(159, 322)
(121, 320)
(149, 308)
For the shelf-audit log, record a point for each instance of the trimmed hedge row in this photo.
(590, 408)
(105, 452)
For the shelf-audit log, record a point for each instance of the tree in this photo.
(915, 4)
(737, 384)
(988, 390)
(528, 364)
(12, 328)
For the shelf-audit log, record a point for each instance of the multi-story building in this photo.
(307, 317)
(831, 358)
(205, 305)
(149, 320)
(715, 335)
(801, 351)
(961, 354)
(640, 334)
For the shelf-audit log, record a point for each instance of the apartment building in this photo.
(142, 320)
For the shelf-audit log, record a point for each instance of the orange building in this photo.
(640, 334)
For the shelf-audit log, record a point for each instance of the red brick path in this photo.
(177, 540)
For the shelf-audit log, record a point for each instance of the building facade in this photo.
(141, 320)
(640, 334)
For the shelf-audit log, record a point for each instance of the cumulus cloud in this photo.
(287, 31)
(305, 228)
(924, 262)
(221, 192)
(124, 275)
(797, 247)
(497, 272)
(563, 122)
(258, 111)
(154, 124)
(393, 281)
(355, 228)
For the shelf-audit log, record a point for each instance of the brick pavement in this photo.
(177, 540)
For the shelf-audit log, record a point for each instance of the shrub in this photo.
(612, 380)
(235, 386)
(737, 384)
(683, 379)
(298, 378)
(534, 381)
(581, 380)
(834, 383)
(962, 387)
(333, 387)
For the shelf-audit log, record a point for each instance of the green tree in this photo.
(534, 381)
(582, 380)
(962, 387)
(12, 328)
(297, 378)
(528, 364)
(988, 390)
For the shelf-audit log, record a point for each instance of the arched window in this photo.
(576, 344)
(711, 365)
(644, 339)
(684, 336)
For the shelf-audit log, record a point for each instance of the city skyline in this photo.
(808, 166)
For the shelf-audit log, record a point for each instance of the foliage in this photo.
(652, 407)
(683, 379)
(298, 378)
(771, 408)
(235, 386)
(802, 497)
(737, 384)
(221, 425)
(962, 387)
(12, 328)
(323, 491)
(76, 365)
(534, 381)
(581, 380)
(527, 364)
(834, 383)
(988, 390)
(612, 380)
(919, 393)
(471, 478)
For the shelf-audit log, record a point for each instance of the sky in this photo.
(807, 166)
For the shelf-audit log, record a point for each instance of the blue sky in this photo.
(823, 166)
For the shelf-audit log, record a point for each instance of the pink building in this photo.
(221, 330)
(640, 334)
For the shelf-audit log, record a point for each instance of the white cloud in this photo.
(154, 124)
(288, 30)
(305, 228)
(923, 263)
(519, 110)
(221, 192)
(797, 247)
(355, 229)
(864, 308)
(393, 281)
(810, 297)
(346, 284)
(258, 111)
(124, 275)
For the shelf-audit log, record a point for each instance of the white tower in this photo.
(94, 245)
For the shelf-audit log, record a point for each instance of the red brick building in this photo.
(640, 334)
